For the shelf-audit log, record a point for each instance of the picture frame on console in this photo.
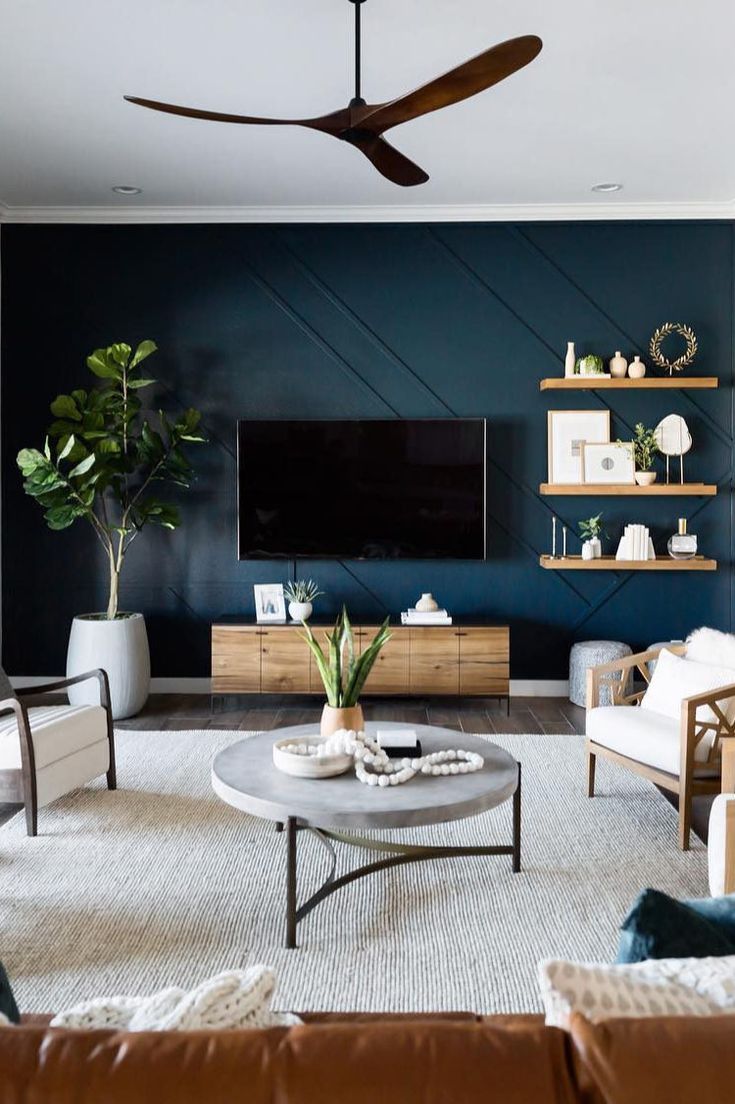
(568, 432)
(270, 603)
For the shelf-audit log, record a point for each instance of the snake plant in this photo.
(343, 672)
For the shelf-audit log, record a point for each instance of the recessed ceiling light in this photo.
(126, 190)
(607, 187)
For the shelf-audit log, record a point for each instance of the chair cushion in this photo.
(659, 926)
(644, 736)
(57, 731)
(720, 820)
(678, 677)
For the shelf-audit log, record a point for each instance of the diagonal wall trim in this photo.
(316, 338)
(331, 295)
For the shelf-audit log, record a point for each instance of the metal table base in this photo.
(397, 855)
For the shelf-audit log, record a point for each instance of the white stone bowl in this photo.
(309, 766)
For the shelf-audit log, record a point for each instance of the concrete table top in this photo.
(244, 776)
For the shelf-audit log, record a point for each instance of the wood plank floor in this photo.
(264, 712)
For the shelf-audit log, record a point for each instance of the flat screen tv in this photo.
(362, 490)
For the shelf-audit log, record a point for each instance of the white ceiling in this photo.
(636, 91)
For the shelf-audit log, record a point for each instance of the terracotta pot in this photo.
(645, 479)
(333, 719)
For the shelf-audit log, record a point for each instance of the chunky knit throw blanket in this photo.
(235, 999)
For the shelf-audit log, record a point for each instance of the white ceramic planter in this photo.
(121, 648)
(300, 611)
(588, 552)
(645, 479)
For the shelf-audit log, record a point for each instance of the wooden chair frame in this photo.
(616, 677)
(728, 787)
(20, 785)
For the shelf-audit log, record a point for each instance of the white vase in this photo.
(427, 603)
(618, 365)
(570, 360)
(645, 479)
(588, 552)
(120, 648)
(300, 611)
(637, 369)
(596, 544)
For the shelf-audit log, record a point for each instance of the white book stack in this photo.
(636, 544)
(421, 617)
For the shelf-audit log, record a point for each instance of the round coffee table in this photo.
(244, 776)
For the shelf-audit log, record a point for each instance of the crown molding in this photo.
(537, 212)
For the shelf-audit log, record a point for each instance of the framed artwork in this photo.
(611, 463)
(270, 604)
(568, 431)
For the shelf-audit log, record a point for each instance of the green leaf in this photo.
(64, 406)
(136, 383)
(83, 466)
(70, 441)
(61, 517)
(47, 449)
(119, 353)
(100, 363)
(28, 460)
(144, 350)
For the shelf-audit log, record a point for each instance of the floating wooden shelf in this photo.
(592, 489)
(609, 563)
(589, 383)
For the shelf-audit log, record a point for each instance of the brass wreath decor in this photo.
(682, 361)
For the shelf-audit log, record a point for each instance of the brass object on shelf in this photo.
(686, 358)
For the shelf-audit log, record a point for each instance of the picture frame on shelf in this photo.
(270, 603)
(568, 431)
(613, 462)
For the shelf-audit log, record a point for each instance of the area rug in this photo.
(160, 883)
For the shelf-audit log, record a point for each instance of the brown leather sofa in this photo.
(336, 1059)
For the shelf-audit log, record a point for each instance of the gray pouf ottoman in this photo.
(589, 653)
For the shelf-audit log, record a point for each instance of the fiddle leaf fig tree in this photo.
(104, 459)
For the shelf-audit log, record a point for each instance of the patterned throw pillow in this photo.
(659, 987)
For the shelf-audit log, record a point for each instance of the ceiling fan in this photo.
(362, 124)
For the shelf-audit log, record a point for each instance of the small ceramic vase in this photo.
(588, 552)
(570, 360)
(637, 369)
(427, 603)
(300, 611)
(618, 365)
(334, 719)
(645, 479)
(596, 547)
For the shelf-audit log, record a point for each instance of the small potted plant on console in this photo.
(645, 447)
(301, 595)
(590, 530)
(344, 673)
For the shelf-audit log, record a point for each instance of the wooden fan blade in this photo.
(393, 165)
(329, 124)
(474, 76)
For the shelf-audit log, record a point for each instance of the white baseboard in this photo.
(522, 688)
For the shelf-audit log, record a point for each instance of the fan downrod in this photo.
(357, 100)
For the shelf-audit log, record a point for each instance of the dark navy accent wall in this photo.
(350, 321)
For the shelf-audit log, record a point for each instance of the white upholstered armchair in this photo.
(671, 730)
(47, 751)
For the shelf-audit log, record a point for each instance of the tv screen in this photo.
(362, 490)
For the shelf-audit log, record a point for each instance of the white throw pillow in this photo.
(712, 646)
(678, 677)
(657, 987)
(717, 842)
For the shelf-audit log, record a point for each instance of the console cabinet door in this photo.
(434, 662)
(235, 659)
(390, 670)
(284, 661)
(484, 661)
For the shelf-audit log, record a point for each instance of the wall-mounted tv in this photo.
(388, 489)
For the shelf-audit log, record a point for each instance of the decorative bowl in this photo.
(308, 766)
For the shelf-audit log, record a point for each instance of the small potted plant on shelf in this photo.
(344, 673)
(301, 595)
(645, 447)
(590, 530)
(590, 365)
